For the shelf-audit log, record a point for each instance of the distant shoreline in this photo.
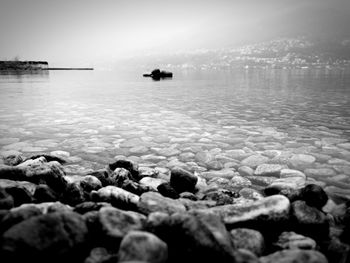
(33, 66)
(70, 68)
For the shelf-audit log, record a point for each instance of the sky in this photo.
(84, 32)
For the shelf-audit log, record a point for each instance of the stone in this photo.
(6, 200)
(13, 160)
(43, 193)
(20, 194)
(18, 215)
(204, 157)
(62, 154)
(294, 256)
(120, 175)
(100, 255)
(245, 256)
(254, 160)
(89, 206)
(104, 176)
(182, 180)
(261, 180)
(38, 172)
(135, 187)
(114, 224)
(309, 221)
(165, 189)
(220, 196)
(237, 154)
(142, 246)
(48, 207)
(269, 170)
(89, 183)
(194, 237)
(284, 184)
(74, 194)
(116, 196)
(187, 195)
(186, 157)
(320, 172)
(245, 171)
(33, 239)
(314, 195)
(51, 174)
(129, 165)
(301, 161)
(153, 183)
(155, 202)
(224, 173)
(291, 173)
(251, 194)
(48, 158)
(240, 182)
(272, 210)
(147, 172)
(249, 239)
(292, 240)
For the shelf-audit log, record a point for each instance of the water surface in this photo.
(95, 116)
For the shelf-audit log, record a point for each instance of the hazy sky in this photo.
(84, 31)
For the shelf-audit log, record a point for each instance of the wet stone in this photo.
(225, 173)
(245, 171)
(254, 160)
(320, 172)
(285, 173)
(269, 170)
(182, 180)
(301, 161)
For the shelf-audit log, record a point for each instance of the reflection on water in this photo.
(23, 75)
(96, 116)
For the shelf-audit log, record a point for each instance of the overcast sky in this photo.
(84, 31)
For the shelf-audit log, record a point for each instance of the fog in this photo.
(85, 32)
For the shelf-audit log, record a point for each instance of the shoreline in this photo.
(220, 216)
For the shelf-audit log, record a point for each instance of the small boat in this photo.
(157, 74)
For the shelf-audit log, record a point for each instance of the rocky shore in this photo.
(259, 212)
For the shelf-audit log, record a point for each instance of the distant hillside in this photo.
(23, 65)
(278, 53)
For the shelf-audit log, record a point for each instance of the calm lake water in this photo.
(201, 120)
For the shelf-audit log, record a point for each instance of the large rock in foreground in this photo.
(143, 246)
(53, 237)
(194, 237)
(272, 211)
(114, 224)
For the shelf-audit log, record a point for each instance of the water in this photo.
(96, 116)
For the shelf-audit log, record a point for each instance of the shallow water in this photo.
(95, 116)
